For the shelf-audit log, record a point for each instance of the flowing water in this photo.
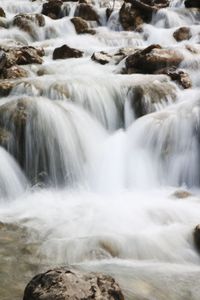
(107, 203)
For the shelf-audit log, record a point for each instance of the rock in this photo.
(3, 60)
(180, 76)
(64, 284)
(130, 18)
(27, 22)
(53, 9)
(5, 88)
(81, 26)
(147, 94)
(181, 194)
(2, 13)
(181, 34)
(196, 236)
(101, 57)
(66, 52)
(192, 3)
(22, 55)
(14, 72)
(152, 59)
(86, 12)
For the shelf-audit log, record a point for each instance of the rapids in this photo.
(93, 185)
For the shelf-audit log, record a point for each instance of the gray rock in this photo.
(64, 284)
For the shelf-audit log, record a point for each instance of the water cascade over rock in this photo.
(100, 144)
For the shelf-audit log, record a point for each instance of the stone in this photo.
(101, 57)
(81, 26)
(152, 59)
(181, 194)
(2, 13)
(65, 51)
(192, 4)
(180, 76)
(64, 284)
(86, 12)
(53, 9)
(182, 33)
(5, 88)
(14, 72)
(3, 60)
(196, 236)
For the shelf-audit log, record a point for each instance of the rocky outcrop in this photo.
(196, 235)
(86, 12)
(182, 33)
(81, 26)
(192, 3)
(152, 59)
(53, 9)
(64, 284)
(65, 51)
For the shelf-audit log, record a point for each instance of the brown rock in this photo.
(152, 59)
(192, 3)
(86, 12)
(81, 26)
(181, 34)
(53, 9)
(130, 18)
(66, 52)
(64, 284)
(26, 23)
(2, 13)
(14, 72)
(5, 88)
(181, 194)
(180, 76)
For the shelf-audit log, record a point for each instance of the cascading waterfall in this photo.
(91, 157)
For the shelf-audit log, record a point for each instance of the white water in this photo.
(108, 203)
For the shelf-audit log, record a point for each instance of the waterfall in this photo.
(100, 154)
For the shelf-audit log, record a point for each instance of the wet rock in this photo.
(86, 12)
(2, 13)
(180, 76)
(81, 26)
(14, 72)
(63, 284)
(181, 34)
(101, 57)
(181, 194)
(22, 55)
(66, 52)
(130, 18)
(196, 235)
(53, 9)
(152, 59)
(5, 88)
(3, 60)
(192, 3)
(20, 20)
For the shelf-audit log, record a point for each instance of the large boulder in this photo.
(86, 12)
(53, 9)
(152, 59)
(182, 33)
(192, 3)
(66, 52)
(64, 284)
(81, 26)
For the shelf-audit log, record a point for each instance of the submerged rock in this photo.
(181, 194)
(101, 57)
(86, 12)
(182, 33)
(66, 52)
(180, 76)
(152, 59)
(63, 284)
(81, 26)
